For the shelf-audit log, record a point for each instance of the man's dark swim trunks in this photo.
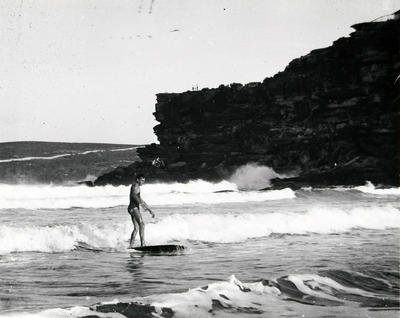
(134, 203)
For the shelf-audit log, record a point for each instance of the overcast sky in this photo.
(88, 70)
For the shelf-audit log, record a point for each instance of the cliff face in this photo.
(331, 116)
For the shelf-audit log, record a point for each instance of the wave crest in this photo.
(216, 228)
(371, 189)
(263, 298)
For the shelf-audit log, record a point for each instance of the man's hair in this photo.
(139, 176)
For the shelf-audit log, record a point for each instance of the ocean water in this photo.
(283, 253)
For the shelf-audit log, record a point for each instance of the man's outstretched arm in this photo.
(146, 207)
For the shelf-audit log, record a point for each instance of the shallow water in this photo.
(317, 253)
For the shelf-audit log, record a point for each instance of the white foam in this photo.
(227, 299)
(253, 176)
(105, 150)
(228, 228)
(61, 238)
(64, 155)
(34, 158)
(73, 312)
(198, 302)
(91, 151)
(207, 227)
(60, 197)
(124, 149)
(215, 198)
(244, 299)
(323, 287)
(370, 188)
(183, 304)
(64, 197)
(195, 186)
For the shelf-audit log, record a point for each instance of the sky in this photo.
(89, 70)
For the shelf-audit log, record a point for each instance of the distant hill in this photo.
(60, 162)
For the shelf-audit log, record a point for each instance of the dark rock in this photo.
(88, 183)
(323, 111)
(131, 310)
(347, 176)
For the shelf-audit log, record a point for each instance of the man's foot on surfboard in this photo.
(133, 246)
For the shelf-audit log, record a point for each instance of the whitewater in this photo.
(250, 253)
(76, 153)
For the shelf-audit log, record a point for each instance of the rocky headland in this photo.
(331, 117)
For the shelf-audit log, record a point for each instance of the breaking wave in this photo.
(64, 197)
(232, 296)
(263, 298)
(371, 189)
(204, 227)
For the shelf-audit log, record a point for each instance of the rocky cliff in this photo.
(331, 116)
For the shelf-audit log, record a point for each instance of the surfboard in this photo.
(160, 248)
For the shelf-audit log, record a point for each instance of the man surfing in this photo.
(135, 201)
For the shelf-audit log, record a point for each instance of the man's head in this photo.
(140, 178)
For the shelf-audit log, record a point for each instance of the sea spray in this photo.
(371, 189)
(253, 176)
